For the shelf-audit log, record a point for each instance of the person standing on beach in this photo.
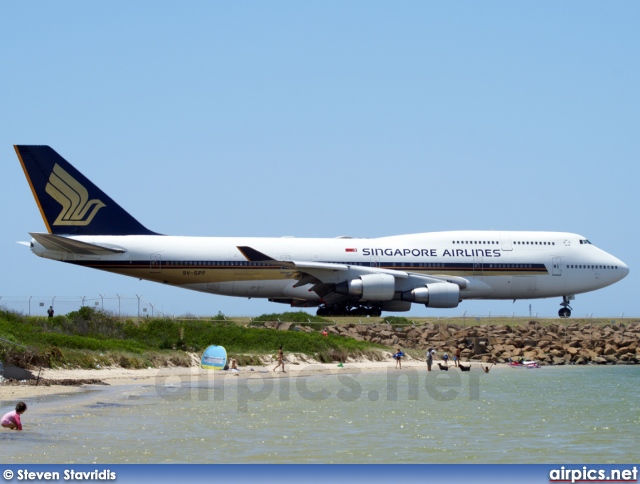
(11, 420)
(429, 358)
(398, 357)
(280, 360)
(456, 357)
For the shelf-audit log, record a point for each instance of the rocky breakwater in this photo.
(552, 344)
(556, 344)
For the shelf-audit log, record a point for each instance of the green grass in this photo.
(88, 338)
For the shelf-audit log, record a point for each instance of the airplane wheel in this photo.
(564, 313)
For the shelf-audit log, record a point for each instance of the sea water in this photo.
(549, 415)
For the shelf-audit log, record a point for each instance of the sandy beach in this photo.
(121, 376)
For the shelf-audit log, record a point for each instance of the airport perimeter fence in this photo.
(135, 306)
(120, 305)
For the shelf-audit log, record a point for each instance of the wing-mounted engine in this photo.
(437, 295)
(370, 287)
(382, 287)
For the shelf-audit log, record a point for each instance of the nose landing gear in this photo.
(565, 311)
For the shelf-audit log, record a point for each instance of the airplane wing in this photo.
(253, 255)
(326, 275)
(65, 244)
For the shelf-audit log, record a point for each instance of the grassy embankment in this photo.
(91, 339)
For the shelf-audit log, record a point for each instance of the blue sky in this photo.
(320, 119)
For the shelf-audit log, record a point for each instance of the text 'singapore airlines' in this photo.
(339, 276)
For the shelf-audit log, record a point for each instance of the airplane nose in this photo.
(625, 269)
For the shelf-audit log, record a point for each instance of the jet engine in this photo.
(437, 295)
(370, 287)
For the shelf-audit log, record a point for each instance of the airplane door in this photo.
(283, 269)
(155, 263)
(505, 239)
(477, 266)
(556, 266)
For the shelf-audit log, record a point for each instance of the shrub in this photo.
(397, 320)
(291, 317)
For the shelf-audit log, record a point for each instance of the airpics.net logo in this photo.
(587, 474)
(313, 384)
(77, 209)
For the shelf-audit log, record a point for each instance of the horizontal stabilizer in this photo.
(58, 243)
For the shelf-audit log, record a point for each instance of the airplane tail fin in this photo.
(70, 204)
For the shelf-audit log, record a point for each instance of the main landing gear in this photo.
(565, 311)
(349, 310)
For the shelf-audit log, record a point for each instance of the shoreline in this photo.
(76, 380)
(117, 376)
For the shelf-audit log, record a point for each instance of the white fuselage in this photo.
(494, 265)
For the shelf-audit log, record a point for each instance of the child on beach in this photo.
(11, 420)
(280, 360)
(486, 368)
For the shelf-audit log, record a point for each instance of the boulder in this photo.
(610, 350)
(413, 334)
(571, 350)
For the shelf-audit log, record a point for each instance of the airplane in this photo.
(339, 276)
